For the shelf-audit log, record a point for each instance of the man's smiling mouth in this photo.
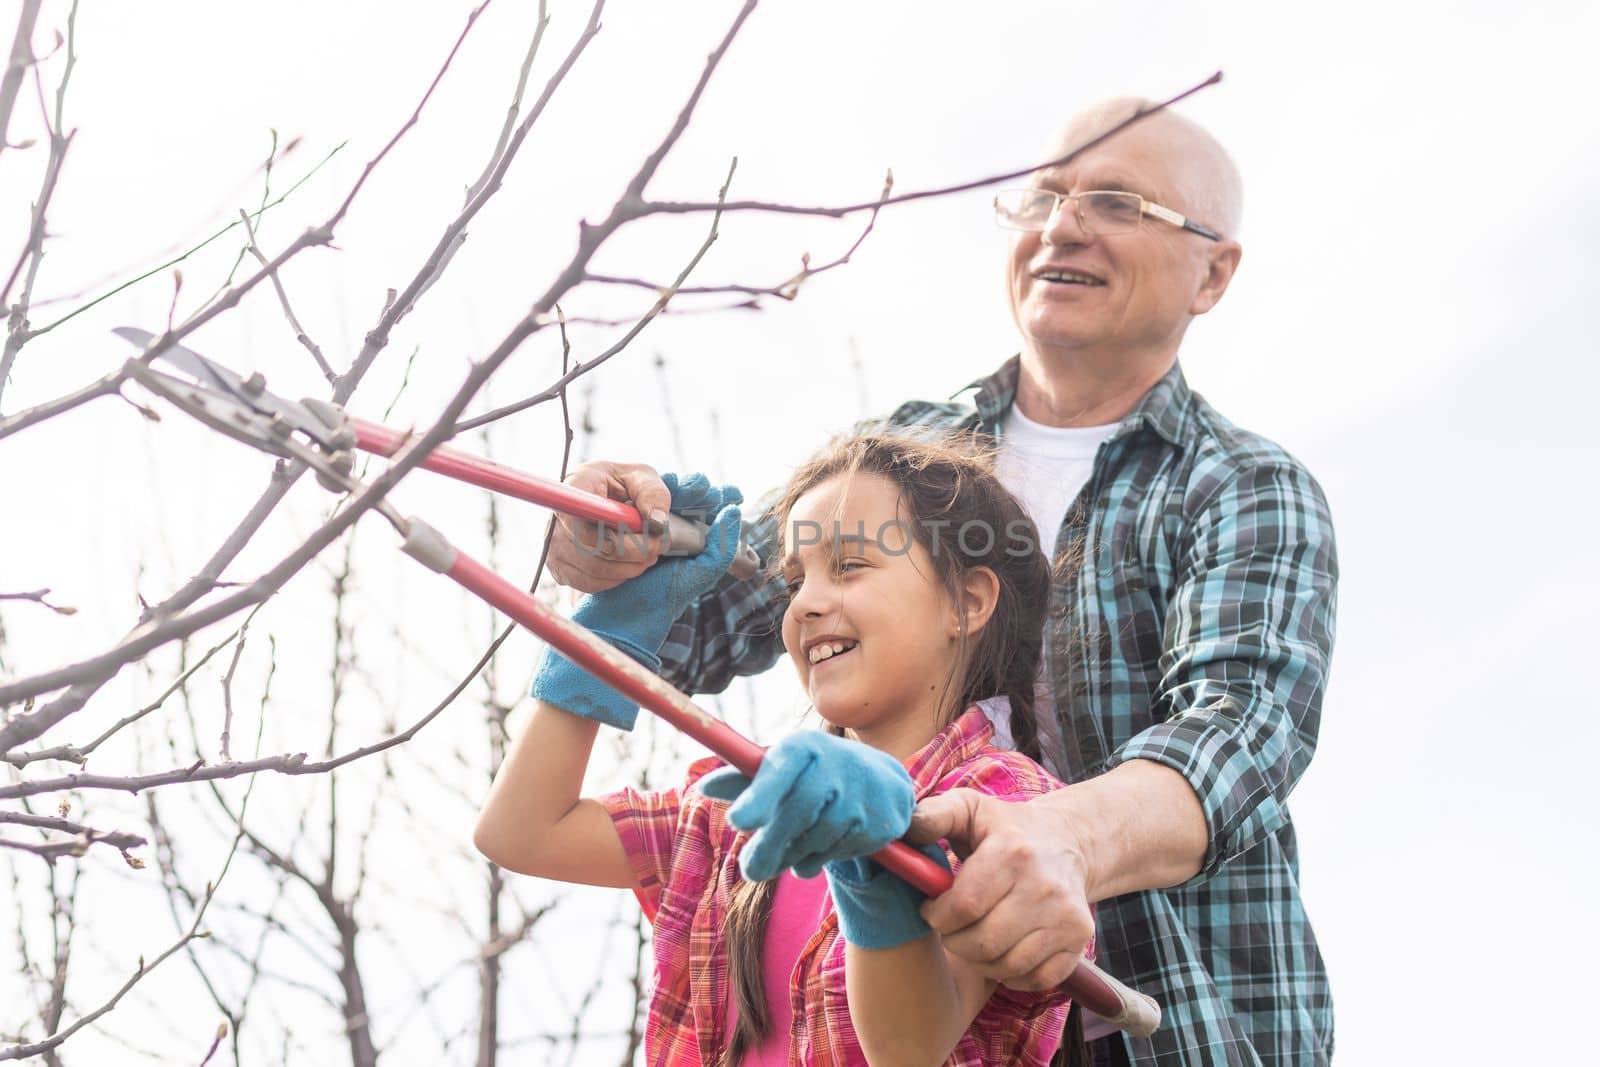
(1068, 277)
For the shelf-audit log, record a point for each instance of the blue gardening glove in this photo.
(636, 615)
(815, 798)
(877, 908)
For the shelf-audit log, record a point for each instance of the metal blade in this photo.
(217, 377)
(185, 359)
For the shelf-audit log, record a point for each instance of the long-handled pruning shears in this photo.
(322, 435)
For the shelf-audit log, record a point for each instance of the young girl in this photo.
(916, 589)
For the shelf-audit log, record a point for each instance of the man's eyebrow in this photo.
(1109, 183)
(1116, 183)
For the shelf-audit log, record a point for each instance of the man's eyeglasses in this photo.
(1099, 211)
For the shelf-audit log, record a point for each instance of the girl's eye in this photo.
(791, 584)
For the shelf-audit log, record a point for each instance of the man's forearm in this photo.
(1138, 826)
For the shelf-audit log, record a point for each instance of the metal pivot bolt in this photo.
(343, 462)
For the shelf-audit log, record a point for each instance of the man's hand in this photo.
(1019, 909)
(577, 556)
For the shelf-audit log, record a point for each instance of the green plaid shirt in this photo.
(1196, 633)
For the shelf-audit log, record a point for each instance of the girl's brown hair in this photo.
(948, 485)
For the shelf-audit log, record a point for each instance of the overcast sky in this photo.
(1410, 318)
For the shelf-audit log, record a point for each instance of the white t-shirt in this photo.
(1045, 467)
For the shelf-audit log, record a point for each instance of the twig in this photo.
(638, 982)
(542, 22)
(416, 113)
(181, 257)
(216, 1042)
(664, 207)
(37, 596)
(283, 299)
(32, 254)
(17, 66)
(446, 251)
(85, 836)
(378, 337)
(675, 312)
(227, 699)
(109, 385)
(665, 294)
(171, 881)
(23, 1051)
(788, 289)
(266, 194)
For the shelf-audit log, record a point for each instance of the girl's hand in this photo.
(815, 798)
(877, 909)
(636, 615)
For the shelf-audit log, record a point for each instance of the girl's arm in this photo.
(910, 1004)
(534, 820)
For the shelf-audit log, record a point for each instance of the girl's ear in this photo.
(979, 595)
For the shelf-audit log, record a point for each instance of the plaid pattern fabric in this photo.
(1196, 632)
(686, 857)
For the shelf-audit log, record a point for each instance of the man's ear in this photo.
(1223, 261)
(979, 595)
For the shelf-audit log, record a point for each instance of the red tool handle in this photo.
(475, 470)
(1115, 1002)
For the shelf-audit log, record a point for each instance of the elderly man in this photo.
(1189, 633)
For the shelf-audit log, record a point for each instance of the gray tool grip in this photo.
(687, 537)
(1140, 1015)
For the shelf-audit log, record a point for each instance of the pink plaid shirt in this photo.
(686, 857)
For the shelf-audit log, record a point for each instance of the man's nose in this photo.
(1063, 226)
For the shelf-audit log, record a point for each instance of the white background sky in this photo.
(1409, 320)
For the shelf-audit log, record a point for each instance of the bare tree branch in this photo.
(666, 294)
(79, 754)
(283, 478)
(33, 250)
(25, 728)
(23, 1051)
(154, 635)
(86, 836)
(664, 207)
(788, 289)
(21, 59)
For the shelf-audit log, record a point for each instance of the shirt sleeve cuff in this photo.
(1235, 795)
